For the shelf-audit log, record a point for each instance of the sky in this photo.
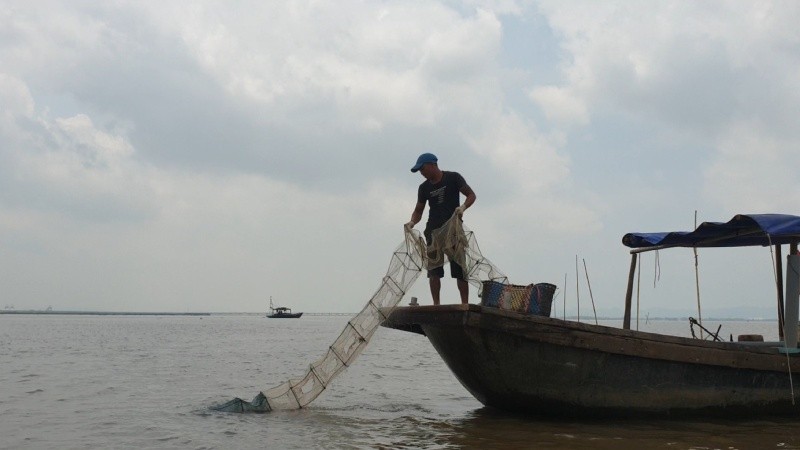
(206, 156)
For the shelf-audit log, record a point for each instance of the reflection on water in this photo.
(485, 428)
(489, 428)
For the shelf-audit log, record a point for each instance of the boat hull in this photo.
(551, 367)
(285, 316)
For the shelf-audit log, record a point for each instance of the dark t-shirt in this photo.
(442, 197)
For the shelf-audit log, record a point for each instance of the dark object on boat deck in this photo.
(532, 299)
(750, 338)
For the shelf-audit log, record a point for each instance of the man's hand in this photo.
(408, 226)
(460, 211)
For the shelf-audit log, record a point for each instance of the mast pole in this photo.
(779, 281)
(792, 297)
(697, 281)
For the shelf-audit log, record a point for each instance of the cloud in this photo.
(66, 164)
(687, 64)
(559, 105)
(754, 170)
(16, 100)
(698, 75)
(523, 155)
(371, 63)
(205, 156)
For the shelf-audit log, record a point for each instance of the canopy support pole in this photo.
(792, 298)
(779, 282)
(626, 322)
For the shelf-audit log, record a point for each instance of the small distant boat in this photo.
(281, 312)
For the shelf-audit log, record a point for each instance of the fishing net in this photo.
(451, 242)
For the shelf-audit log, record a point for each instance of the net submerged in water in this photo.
(451, 242)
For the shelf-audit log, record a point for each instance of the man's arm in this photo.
(471, 197)
(416, 215)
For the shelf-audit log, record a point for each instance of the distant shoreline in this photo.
(103, 313)
(150, 313)
(129, 313)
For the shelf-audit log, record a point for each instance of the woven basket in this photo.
(516, 298)
(541, 299)
(491, 293)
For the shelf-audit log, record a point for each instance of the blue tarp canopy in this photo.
(742, 230)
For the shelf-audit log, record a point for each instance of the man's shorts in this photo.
(455, 271)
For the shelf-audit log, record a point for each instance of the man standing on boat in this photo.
(441, 190)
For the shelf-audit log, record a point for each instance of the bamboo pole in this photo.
(792, 294)
(697, 281)
(779, 282)
(577, 288)
(588, 283)
(638, 292)
(565, 296)
(626, 321)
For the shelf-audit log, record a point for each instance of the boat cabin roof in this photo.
(742, 230)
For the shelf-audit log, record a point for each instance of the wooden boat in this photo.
(552, 367)
(281, 312)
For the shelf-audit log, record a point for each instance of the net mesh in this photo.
(451, 242)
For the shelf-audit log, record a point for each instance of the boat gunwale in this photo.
(594, 337)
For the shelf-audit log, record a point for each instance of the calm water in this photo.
(147, 382)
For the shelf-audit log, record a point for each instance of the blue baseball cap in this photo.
(423, 159)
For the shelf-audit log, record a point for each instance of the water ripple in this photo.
(148, 382)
